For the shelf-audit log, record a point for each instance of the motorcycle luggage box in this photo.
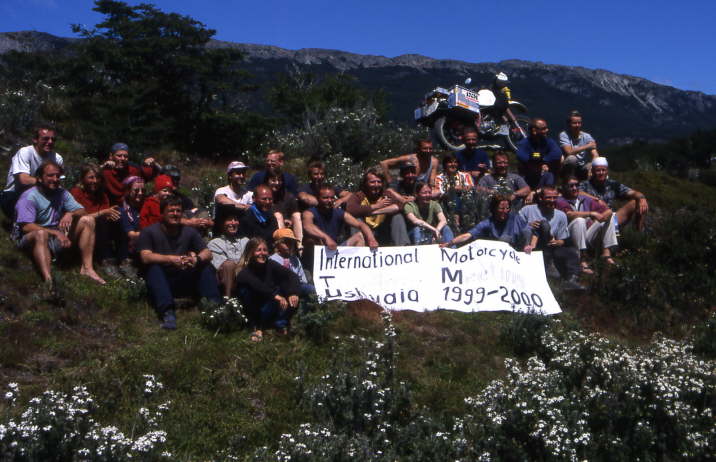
(464, 98)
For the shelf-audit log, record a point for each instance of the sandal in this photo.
(257, 336)
(586, 269)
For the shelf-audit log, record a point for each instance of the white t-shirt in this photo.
(244, 198)
(26, 160)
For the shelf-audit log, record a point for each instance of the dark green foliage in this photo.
(523, 333)
(705, 337)
(665, 275)
(314, 318)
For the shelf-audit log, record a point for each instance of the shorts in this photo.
(53, 243)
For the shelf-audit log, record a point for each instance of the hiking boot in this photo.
(128, 270)
(109, 267)
(169, 320)
(572, 284)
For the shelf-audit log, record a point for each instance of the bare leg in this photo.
(356, 240)
(627, 212)
(84, 235)
(227, 276)
(41, 252)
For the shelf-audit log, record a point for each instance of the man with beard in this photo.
(504, 182)
(379, 210)
(471, 159)
(49, 221)
(274, 164)
(590, 223)
(25, 163)
(537, 142)
(259, 220)
(550, 236)
(118, 167)
(601, 187)
(425, 163)
(308, 193)
(177, 262)
(324, 223)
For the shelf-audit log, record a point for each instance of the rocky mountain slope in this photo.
(618, 108)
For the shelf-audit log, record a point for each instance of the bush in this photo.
(58, 427)
(224, 317)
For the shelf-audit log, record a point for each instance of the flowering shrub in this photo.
(57, 426)
(358, 134)
(224, 317)
(586, 398)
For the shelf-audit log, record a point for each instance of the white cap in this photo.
(600, 162)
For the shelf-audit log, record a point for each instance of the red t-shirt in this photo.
(113, 180)
(91, 203)
(150, 213)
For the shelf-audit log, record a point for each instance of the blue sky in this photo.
(669, 42)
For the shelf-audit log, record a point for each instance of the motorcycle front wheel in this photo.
(515, 136)
(448, 133)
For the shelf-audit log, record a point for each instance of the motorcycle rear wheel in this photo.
(448, 135)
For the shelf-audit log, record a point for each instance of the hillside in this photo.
(618, 108)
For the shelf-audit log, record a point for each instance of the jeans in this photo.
(164, 283)
(264, 312)
(564, 257)
(422, 236)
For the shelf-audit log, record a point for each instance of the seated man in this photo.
(118, 167)
(590, 223)
(324, 223)
(450, 188)
(25, 163)
(601, 187)
(537, 141)
(226, 250)
(579, 147)
(235, 194)
(379, 210)
(503, 182)
(472, 159)
(308, 193)
(177, 262)
(274, 163)
(194, 217)
(550, 236)
(49, 220)
(425, 163)
(501, 226)
(259, 220)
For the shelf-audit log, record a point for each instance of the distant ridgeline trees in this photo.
(695, 150)
(143, 76)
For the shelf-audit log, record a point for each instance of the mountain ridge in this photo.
(618, 108)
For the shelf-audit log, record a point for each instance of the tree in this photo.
(148, 77)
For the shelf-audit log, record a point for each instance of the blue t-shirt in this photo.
(512, 231)
(329, 224)
(469, 159)
(547, 147)
(557, 220)
(34, 206)
(539, 180)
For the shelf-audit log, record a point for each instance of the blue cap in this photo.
(119, 147)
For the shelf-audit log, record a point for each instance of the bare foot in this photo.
(90, 273)
(257, 336)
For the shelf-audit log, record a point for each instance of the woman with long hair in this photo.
(268, 291)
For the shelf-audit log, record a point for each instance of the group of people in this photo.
(261, 231)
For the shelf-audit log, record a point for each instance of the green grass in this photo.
(229, 392)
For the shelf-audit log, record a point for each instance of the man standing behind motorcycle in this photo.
(473, 160)
(537, 142)
(423, 159)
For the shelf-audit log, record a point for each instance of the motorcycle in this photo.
(492, 112)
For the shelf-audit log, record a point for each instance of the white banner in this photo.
(480, 276)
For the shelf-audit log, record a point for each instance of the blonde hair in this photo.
(249, 250)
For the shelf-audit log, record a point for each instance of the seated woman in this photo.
(129, 222)
(227, 249)
(285, 205)
(501, 226)
(268, 291)
(91, 195)
(426, 217)
(150, 213)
